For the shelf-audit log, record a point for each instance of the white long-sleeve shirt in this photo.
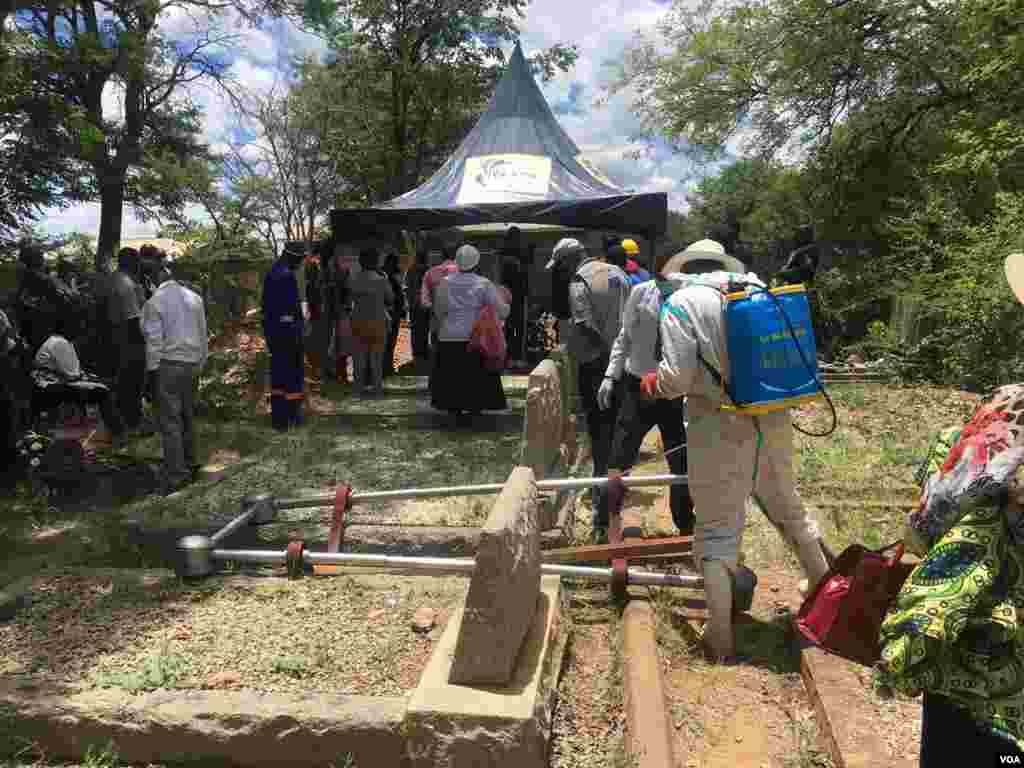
(694, 320)
(634, 347)
(174, 322)
(458, 301)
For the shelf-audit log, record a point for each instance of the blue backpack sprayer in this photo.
(772, 349)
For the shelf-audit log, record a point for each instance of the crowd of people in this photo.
(640, 345)
(146, 336)
(353, 312)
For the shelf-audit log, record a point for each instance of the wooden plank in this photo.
(631, 549)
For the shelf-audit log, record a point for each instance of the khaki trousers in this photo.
(723, 449)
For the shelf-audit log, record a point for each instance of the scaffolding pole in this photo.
(199, 557)
(567, 484)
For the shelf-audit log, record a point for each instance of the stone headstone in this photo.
(502, 597)
(543, 426)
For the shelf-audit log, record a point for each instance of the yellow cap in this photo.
(630, 247)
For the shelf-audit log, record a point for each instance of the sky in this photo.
(601, 29)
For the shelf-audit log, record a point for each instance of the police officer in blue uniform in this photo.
(283, 331)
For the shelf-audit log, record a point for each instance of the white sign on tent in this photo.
(504, 178)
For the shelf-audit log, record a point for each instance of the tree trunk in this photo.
(111, 217)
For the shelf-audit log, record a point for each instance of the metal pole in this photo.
(233, 526)
(452, 565)
(572, 483)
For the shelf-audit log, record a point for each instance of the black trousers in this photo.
(949, 735)
(600, 427)
(420, 331)
(636, 417)
(128, 346)
(514, 334)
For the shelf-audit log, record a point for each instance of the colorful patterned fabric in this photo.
(958, 458)
(954, 626)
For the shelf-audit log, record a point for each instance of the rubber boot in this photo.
(718, 633)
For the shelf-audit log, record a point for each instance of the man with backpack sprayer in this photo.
(731, 454)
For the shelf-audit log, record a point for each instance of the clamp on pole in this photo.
(342, 504)
(294, 559)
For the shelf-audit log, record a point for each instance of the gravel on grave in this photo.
(339, 634)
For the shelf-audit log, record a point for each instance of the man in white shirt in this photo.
(174, 322)
(634, 354)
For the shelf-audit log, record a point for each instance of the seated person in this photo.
(58, 378)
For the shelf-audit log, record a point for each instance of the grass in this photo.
(161, 670)
(294, 666)
(808, 752)
(861, 479)
(398, 449)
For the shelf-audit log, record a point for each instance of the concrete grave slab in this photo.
(240, 728)
(502, 595)
(452, 726)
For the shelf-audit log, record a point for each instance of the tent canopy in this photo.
(517, 165)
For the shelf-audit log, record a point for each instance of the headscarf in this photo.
(979, 462)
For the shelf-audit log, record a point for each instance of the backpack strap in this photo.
(666, 289)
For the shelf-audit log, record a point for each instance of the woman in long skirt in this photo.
(459, 383)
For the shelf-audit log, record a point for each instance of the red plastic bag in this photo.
(488, 339)
(844, 614)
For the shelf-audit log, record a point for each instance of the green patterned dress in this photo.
(957, 626)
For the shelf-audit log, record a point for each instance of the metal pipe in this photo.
(572, 483)
(233, 526)
(630, 481)
(452, 565)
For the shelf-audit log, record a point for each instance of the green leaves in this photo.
(409, 81)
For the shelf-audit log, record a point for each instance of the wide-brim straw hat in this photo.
(1014, 268)
(703, 250)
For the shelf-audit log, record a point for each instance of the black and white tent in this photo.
(519, 166)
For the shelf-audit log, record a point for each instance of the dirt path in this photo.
(588, 724)
(752, 715)
(755, 714)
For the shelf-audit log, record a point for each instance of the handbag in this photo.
(488, 339)
(844, 613)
